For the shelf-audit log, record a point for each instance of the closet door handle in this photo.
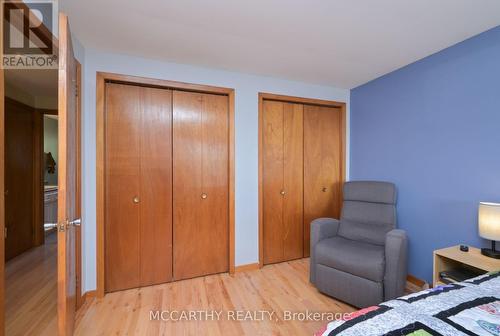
(324, 189)
(204, 196)
(282, 192)
(136, 199)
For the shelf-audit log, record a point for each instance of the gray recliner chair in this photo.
(361, 259)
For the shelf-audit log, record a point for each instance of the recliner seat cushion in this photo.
(357, 258)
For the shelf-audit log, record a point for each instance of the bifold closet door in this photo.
(282, 181)
(138, 199)
(322, 165)
(200, 184)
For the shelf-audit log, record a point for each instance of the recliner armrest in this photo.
(321, 228)
(396, 264)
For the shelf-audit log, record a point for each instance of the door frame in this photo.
(2, 192)
(39, 238)
(292, 99)
(78, 233)
(101, 79)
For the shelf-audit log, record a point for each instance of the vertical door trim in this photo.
(79, 229)
(101, 79)
(231, 184)
(38, 178)
(2, 193)
(39, 169)
(300, 100)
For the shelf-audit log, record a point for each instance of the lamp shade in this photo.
(489, 220)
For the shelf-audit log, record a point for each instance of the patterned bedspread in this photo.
(471, 307)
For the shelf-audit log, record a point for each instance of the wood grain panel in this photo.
(78, 242)
(123, 117)
(323, 165)
(67, 208)
(2, 193)
(19, 177)
(293, 219)
(200, 167)
(273, 180)
(100, 184)
(214, 257)
(187, 179)
(232, 210)
(155, 186)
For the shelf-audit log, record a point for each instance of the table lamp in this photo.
(489, 227)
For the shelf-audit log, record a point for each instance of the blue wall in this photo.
(433, 128)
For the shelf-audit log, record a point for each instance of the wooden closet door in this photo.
(138, 186)
(156, 186)
(282, 181)
(200, 184)
(122, 169)
(293, 177)
(322, 166)
(273, 180)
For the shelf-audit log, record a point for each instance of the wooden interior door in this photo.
(67, 142)
(282, 181)
(138, 195)
(19, 178)
(322, 165)
(200, 184)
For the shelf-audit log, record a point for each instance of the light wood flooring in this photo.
(31, 297)
(31, 291)
(279, 288)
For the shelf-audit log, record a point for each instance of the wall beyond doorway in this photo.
(50, 136)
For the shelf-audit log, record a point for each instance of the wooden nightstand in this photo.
(451, 257)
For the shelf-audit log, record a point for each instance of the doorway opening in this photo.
(31, 188)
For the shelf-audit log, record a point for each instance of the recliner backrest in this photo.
(368, 212)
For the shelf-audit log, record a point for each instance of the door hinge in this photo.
(5, 232)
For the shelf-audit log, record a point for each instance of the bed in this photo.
(471, 307)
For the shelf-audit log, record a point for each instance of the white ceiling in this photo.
(343, 43)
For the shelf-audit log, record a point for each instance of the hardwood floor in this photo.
(31, 291)
(279, 288)
(31, 298)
